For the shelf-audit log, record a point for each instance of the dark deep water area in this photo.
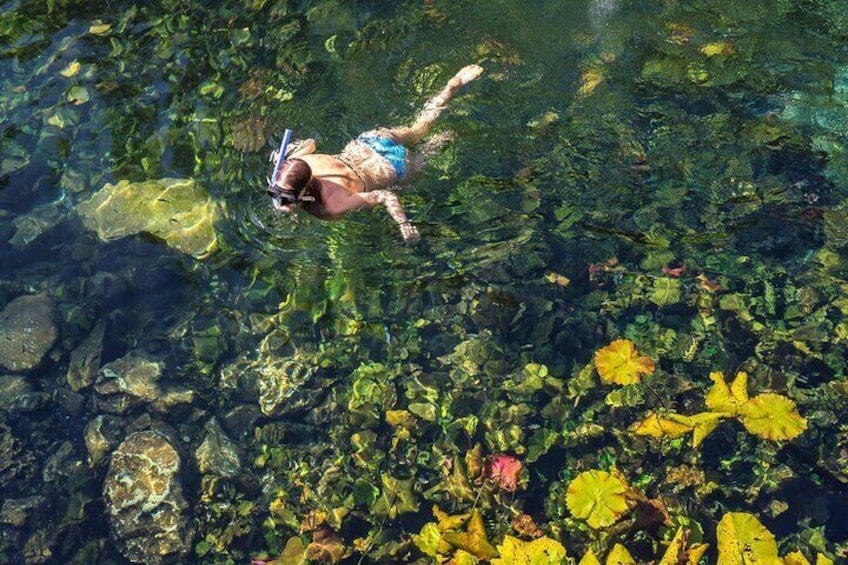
(622, 335)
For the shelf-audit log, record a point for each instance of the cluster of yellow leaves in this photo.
(461, 534)
(463, 538)
(743, 540)
(619, 363)
(718, 48)
(600, 498)
(541, 551)
(769, 416)
(677, 553)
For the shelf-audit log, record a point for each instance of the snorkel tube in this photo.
(281, 156)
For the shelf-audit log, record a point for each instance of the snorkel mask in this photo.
(286, 195)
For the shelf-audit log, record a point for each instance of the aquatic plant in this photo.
(768, 415)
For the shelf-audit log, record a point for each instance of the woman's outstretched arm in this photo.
(374, 198)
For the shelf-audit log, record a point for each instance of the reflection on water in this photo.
(664, 173)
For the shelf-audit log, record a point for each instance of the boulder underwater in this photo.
(177, 211)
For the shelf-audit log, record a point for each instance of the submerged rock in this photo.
(217, 454)
(16, 511)
(29, 226)
(177, 211)
(144, 500)
(286, 387)
(128, 382)
(102, 435)
(27, 332)
(17, 395)
(17, 465)
(85, 359)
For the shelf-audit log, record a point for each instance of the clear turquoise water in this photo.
(714, 138)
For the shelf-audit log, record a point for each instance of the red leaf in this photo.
(503, 470)
(674, 271)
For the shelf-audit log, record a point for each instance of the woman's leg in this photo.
(410, 135)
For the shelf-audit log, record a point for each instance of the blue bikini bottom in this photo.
(389, 149)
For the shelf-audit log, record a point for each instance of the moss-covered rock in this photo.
(144, 500)
(27, 332)
(178, 211)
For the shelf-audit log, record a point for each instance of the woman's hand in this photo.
(409, 233)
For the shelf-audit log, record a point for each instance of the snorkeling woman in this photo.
(329, 186)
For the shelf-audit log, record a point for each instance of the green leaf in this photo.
(666, 291)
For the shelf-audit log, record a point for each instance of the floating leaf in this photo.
(657, 426)
(503, 470)
(620, 556)
(796, 558)
(774, 417)
(396, 497)
(728, 399)
(326, 546)
(430, 541)
(743, 540)
(620, 364)
(446, 522)
(474, 539)
(293, 554)
(696, 552)
(675, 548)
(677, 553)
(597, 497)
(71, 70)
(703, 424)
(524, 525)
(718, 48)
(542, 551)
(665, 291)
(557, 279)
(589, 559)
(78, 95)
(588, 82)
(461, 557)
(99, 28)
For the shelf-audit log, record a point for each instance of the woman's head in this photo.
(292, 179)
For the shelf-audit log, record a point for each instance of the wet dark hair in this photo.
(294, 176)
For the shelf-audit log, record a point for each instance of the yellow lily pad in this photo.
(598, 497)
(589, 559)
(743, 540)
(541, 551)
(796, 558)
(657, 426)
(474, 539)
(676, 425)
(620, 556)
(461, 557)
(703, 424)
(774, 417)
(728, 399)
(619, 363)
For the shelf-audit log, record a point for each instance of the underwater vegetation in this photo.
(621, 340)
